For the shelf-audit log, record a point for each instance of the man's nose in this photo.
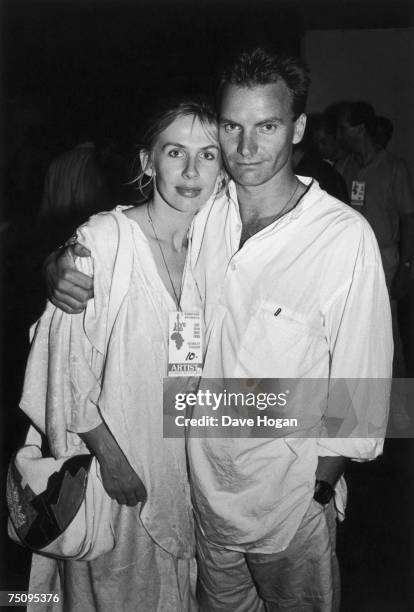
(247, 146)
(190, 168)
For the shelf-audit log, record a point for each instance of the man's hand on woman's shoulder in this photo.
(67, 288)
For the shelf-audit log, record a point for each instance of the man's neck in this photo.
(265, 201)
(366, 152)
(262, 205)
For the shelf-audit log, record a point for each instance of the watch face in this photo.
(323, 492)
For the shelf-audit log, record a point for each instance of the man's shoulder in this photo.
(320, 200)
(393, 161)
(334, 216)
(215, 210)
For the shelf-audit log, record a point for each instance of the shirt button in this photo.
(233, 267)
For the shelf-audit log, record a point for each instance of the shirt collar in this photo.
(293, 214)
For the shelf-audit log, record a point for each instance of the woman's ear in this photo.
(146, 162)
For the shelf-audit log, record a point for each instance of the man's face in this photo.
(325, 144)
(256, 132)
(348, 134)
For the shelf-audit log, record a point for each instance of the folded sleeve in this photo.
(64, 371)
(359, 334)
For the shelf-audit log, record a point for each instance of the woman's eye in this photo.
(175, 153)
(208, 155)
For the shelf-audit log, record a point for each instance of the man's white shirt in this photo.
(319, 268)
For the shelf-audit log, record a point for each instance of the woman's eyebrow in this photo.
(173, 144)
(182, 146)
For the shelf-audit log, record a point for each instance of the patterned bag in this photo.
(58, 507)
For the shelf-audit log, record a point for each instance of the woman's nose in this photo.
(190, 169)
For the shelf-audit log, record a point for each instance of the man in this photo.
(307, 161)
(293, 287)
(384, 130)
(380, 189)
(325, 138)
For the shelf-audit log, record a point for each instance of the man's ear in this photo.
(146, 162)
(299, 128)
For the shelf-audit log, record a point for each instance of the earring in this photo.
(222, 184)
(143, 187)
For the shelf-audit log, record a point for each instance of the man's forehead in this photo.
(269, 99)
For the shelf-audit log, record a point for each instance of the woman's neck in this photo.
(171, 225)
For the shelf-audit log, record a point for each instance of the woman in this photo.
(106, 369)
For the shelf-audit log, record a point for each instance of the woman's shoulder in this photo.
(103, 230)
(108, 237)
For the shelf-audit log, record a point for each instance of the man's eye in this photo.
(230, 128)
(175, 153)
(268, 128)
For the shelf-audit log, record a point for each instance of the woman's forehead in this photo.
(189, 130)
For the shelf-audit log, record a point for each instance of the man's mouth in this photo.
(249, 164)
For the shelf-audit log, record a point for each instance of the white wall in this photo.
(372, 65)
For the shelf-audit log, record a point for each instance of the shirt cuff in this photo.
(357, 449)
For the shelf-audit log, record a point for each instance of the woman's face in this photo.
(186, 161)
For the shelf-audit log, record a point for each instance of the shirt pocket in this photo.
(280, 342)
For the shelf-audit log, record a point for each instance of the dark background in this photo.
(70, 65)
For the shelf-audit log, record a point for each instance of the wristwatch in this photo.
(324, 492)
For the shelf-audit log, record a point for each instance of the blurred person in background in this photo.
(307, 161)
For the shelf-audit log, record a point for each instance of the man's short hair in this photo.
(326, 122)
(361, 113)
(261, 67)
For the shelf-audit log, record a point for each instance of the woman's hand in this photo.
(119, 479)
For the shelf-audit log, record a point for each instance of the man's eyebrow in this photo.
(261, 122)
(225, 120)
(270, 120)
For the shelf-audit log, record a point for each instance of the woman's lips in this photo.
(189, 192)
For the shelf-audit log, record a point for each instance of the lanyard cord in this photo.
(177, 298)
(284, 210)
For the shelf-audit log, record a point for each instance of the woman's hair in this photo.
(198, 108)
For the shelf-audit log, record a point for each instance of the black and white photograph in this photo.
(207, 305)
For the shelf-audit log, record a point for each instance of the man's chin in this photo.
(249, 180)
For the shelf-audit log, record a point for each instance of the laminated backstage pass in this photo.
(185, 350)
(358, 193)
